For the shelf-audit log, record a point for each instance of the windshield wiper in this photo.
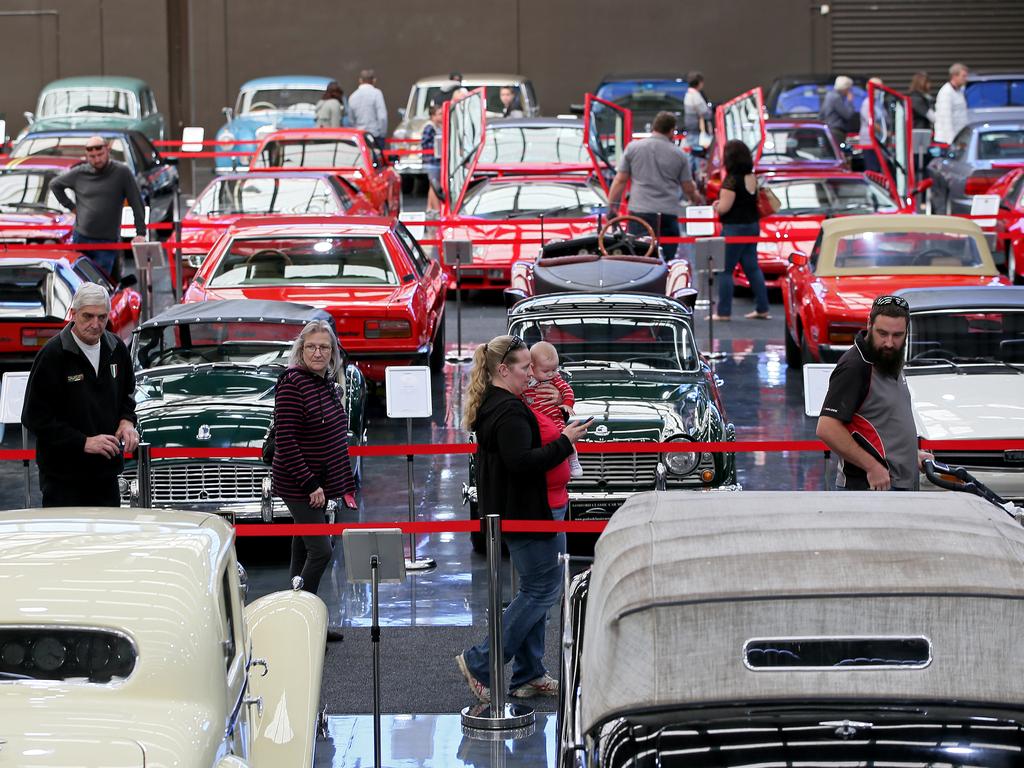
(545, 212)
(600, 364)
(985, 359)
(34, 207)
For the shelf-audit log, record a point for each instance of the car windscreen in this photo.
(645, 95)
(509, 145)
(988, 94)
(266, 343)
(828, 197)
(1001, 145)
(89, 101)
(977, 335)
(504, 200)
(887, 250)
(27, 291)
(806, 99)
(27, 191)
(266, 194)
(64, 146)
(436, 95)
(793, 145)
(279, 99)
(327, 260)
(614, 343)
(310, 153)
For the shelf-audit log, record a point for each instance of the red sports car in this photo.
(348, 152)
(36, 288)
(1010, 222)
(270, 193)
(827, 294)
(29, 213)
(386, 294)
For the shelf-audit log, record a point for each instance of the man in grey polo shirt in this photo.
(866, 417)
(658, 169)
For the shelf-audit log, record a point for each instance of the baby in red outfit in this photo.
(544, 359)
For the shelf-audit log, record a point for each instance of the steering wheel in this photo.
(647, 359)
(924, 258)
(937, 353)
(272, 253)
(261, 105)
(616, 222)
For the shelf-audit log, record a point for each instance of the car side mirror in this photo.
(798, 259)
(513, 296)
(127, 282)
(401, 112)
(31, 118)
(229, 113)
(924, 185)
(686, 296)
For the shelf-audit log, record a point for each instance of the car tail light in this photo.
(978, 185)
(387, 329)
(36, 337)
(843, 333)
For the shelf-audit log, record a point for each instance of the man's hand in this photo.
(139, 239)
(350, 501)
(128, 435)
(103, 445)
(316, 498)
(878, 478)
(922, 457)
(548, 394)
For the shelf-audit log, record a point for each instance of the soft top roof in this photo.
(238, 311)
(681, 581)
(989, 297)
(590, 303)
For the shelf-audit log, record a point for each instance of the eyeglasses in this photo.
(98, 148)
(899, 301)
(323, 349)
(517, 343)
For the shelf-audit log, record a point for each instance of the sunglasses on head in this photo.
(899, 301)
(97, 148)
(517, 343)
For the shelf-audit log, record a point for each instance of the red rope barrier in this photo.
(447, 526)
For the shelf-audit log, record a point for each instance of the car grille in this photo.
(1007, 461)
(628, 470)
(211, 482)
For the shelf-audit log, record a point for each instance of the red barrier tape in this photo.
(447, 526)
(189, 155)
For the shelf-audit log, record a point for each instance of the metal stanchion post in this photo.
(496, 715)
(824, 478)
(453, 252)
(144, 477)
(710, 247)
(375, 639)
(25, 464)
(411, 563)
(176, 288)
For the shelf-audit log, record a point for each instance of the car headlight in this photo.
(681, 462)
(225, 135)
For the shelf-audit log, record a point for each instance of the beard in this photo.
(887, 361)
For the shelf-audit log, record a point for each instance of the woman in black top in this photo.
(737, 210)
(510, 478)
(922, 103)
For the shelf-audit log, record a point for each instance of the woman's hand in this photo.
(316, 498)
(574, 430)
(549, 394)
(350, 501)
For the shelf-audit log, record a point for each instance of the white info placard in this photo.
(985, 205)
(700, 228)
(12, 396)
(816, 377)
(407, 389)
(192, 138)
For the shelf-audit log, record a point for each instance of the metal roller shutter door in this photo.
(893, 39)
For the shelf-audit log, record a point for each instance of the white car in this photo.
(965, 369)
(125, 641)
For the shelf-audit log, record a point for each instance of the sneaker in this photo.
(575, 468)
(481, 691)
(545, 685)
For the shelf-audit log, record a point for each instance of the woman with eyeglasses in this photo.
(311, 463)
(512, 464)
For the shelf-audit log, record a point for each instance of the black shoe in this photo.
(334, 635)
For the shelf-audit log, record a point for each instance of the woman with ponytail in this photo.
(512, 463)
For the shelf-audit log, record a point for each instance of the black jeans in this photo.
(664, 225)
(310, 554)
(65, 491)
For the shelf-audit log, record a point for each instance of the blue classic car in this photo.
(264, 105)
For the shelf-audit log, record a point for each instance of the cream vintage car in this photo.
(965, 370)
(125, 641)
(796, 629)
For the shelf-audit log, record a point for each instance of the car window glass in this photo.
(28, 191)
(522, 144)
(280, 100)
(419, 258)
(90, 273)
(145, 151)
(1001, 145)
(807, 98)
(815, 252)
(231, 644)
(959, 146)
(784, 145)
(993, 334)
(358, 260)
(311, 153)
(266, 194)
(888, 250)
(802, 197)
(64, 146)
(500, 200)
(858, 196)
(375, 153)
(89, 101)
(531, 95)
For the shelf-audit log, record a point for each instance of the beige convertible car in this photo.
(125, 642)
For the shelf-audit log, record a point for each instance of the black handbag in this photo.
(269, 444)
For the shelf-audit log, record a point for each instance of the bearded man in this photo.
(866, 417)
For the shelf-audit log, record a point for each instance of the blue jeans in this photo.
(523, 621)
(104, 260)
(744, 254)
(664, 225)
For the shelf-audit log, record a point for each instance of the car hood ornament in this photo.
(601, 430)
(204, 432)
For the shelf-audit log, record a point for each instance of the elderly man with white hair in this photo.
(838, 111)
(80, 405)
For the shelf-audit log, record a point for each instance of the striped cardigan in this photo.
(312, 438)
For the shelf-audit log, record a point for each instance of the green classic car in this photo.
(205, 378)
(633, 364)
(98, 102)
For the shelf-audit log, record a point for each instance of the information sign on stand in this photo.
(710, 258)
(407, 394)
(148, 256)
(816, 376)
(986, 205)
(192, 138)
(700, 228)
(12, 400)
(455, 254)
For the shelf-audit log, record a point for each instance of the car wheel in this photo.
(805, 351)
(793, 357)
(436, 361)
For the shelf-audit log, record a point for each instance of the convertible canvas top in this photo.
(682, 581)
(238, 311)
(964, 297)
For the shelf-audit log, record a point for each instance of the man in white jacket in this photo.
(951, 106)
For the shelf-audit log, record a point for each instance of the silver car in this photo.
(980, 154)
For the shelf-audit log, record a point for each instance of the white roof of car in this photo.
(681, 581)
(468, 80)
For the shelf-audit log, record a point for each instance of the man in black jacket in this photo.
(80, 405)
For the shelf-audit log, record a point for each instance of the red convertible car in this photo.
(270, 193)
(36, 289)
(386, 295)
(1010, 222)
(348, 152)
(29, 213)
(827, 294)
